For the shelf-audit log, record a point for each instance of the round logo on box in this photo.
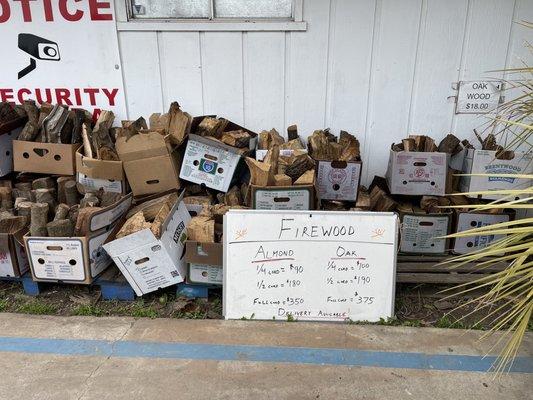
(208, 166)
(337, 176)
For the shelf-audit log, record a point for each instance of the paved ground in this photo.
(122, 358)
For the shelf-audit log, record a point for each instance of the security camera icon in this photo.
(38, 48)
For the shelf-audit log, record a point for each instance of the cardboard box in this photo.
(470, 220)
(150, 263)
(205, 261)
(485, 162)
(44, 158)
(419, 233)
(209, 162)
(338, 180)
(151, 163)
(417, 173)
(75, 259)
(100, 174)
(13, 260)
(283, 197)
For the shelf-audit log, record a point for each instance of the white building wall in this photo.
(378, 68)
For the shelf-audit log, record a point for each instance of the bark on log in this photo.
(292, 132)
(60, 228)
(89, 200)
(32, 111)
(6, 199)
(71, 193)
(61, 182)
(61, 212)
(83, 222)
(39, 219)
(102, 142)
(54, 122)
(29, 132)
(24, 209)
(47, 196)
(43, 183)
(86, 137)
(299, 166)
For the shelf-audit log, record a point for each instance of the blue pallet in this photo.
(193, 291)
(113, 286)
(31, 288)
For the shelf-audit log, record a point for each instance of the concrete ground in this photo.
(44, 357)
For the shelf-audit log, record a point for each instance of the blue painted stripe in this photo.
(297, 355)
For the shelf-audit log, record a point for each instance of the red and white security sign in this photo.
(61, 51)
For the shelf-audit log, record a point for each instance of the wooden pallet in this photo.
(112, 285)
(425, 269)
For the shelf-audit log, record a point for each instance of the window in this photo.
(212, 9)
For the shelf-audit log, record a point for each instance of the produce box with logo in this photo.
(485, 162)
(210, 162)
(150, 262)
(417, 173)
(338, 180)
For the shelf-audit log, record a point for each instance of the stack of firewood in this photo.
(215, 128)
(54, 123)
(150, 214)
(52, 207)
(323, 145)
(285, 163)
(206, 227)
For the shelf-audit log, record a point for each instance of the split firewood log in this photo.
(238, 138)
(299, 166)
(32, 111)
(259, 172)
(210, 126)
(292, 133)
(179, 124)
(61, 182)
(102, 142)
(319, 145)
(201, 229)
(449, 144)
(307, 178)
(134, 224)
(351, 149)
(282, 180)
(54, 122)
(86, 137)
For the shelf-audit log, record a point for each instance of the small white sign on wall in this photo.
(478, 97)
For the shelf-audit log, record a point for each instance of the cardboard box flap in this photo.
(110, 214)
(142, 145)
(98, 169)
(215, 143)
(204, 253)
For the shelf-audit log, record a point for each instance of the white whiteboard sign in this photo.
(309, 265)
(478, 97)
